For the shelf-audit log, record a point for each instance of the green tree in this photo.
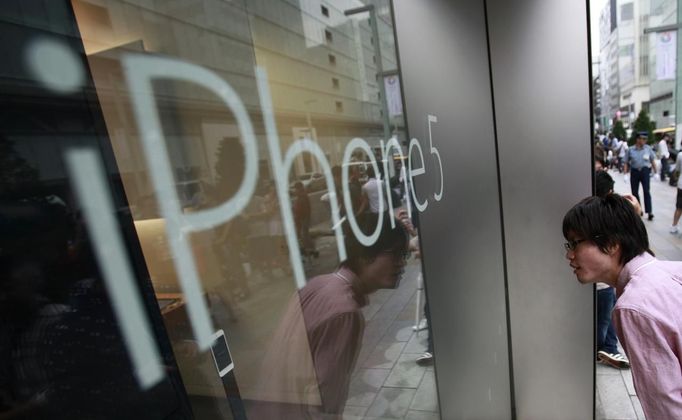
(643, 124)
(619, 130)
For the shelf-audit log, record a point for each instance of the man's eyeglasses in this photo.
(572, 245)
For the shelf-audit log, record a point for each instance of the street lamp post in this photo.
(377, 52)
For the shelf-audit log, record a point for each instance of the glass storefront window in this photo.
(258, 158)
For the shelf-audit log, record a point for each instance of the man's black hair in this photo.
(394, 240)
(603, 184)
(608, 221)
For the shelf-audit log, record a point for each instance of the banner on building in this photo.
(666, 55)
(394, 100)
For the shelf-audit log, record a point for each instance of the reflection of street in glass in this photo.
(307, 369)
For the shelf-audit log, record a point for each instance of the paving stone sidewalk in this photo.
(387, 383)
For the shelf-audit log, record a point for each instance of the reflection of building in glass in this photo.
(321, 68)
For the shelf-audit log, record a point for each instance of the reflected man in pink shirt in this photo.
(607, 242)
(306, 371)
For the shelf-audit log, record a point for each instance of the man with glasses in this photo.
(607, 242)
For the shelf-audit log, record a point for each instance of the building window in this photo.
(627, 11)
(339, 106)
(335, 83)
(328, 35)
(325, 10)
(666, 113)
(332, 59)
(374, 59)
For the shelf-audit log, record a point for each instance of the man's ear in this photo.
(613, 249)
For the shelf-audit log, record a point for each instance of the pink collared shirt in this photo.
(648, 321)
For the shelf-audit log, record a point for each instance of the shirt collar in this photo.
(347, 275)
(631, 268)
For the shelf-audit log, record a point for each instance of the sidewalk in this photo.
(387, 383)
(615, 397)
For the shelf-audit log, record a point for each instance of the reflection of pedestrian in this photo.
(640, 162)
(372, 194)
(301, 210)
(307, 370)
(230, 248)
(608, 242)
(277, 246)
(354, 189)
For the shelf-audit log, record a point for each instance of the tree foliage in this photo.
(619, 130)
(643, 124)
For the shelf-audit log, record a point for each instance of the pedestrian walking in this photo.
(640, 163)
(664, 155)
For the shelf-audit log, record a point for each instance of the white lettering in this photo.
(434, 151)
(414, 143)
(87, 174)
(140, 71)
(281, 171)
(393, 143)
(358, 143)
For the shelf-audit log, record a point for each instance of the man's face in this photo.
(589, 263)
(385, 271)
(640, 141)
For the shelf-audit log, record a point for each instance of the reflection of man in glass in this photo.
(308, 366)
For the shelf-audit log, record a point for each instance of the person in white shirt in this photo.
(372, 193)
(622, 152)
(664, 154)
